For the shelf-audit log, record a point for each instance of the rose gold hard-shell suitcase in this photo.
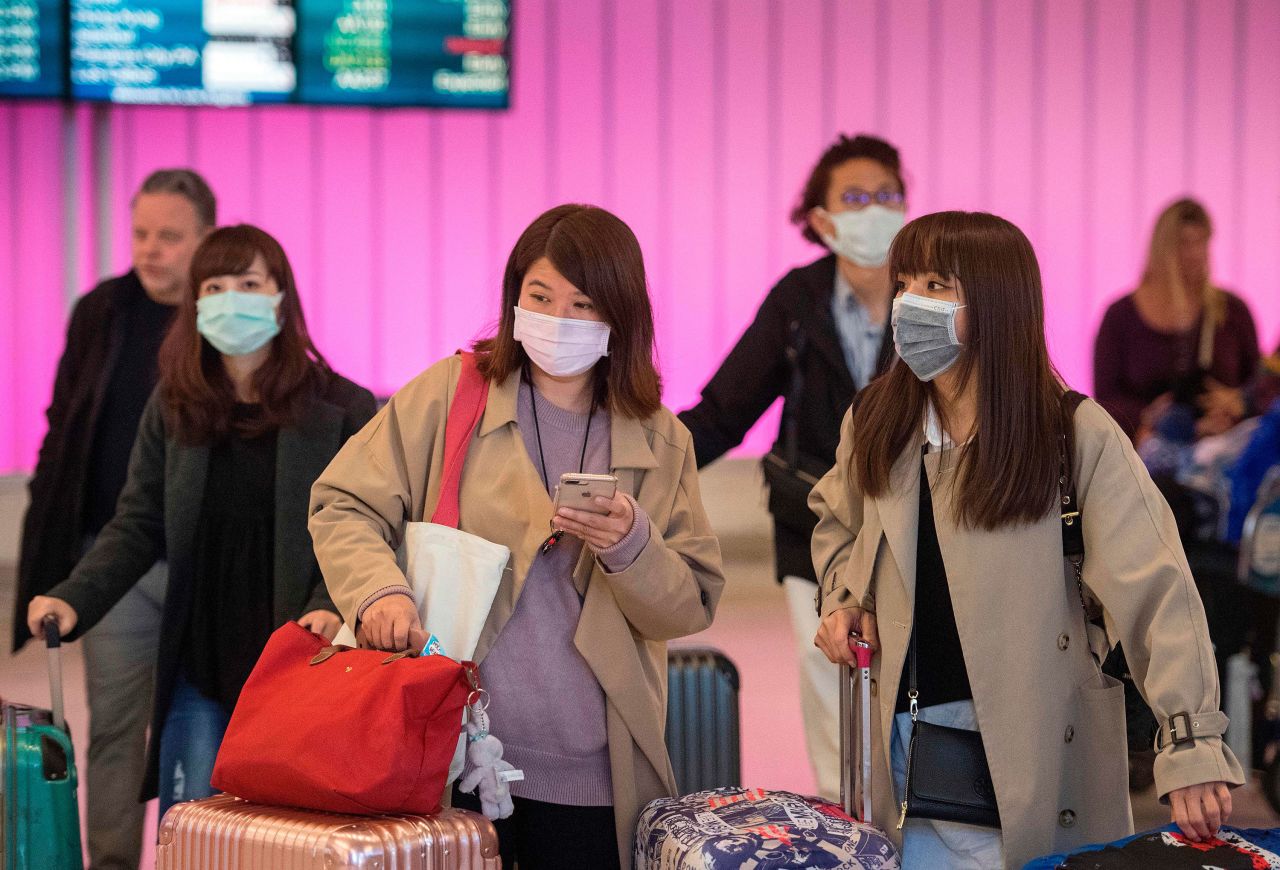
(223, 832)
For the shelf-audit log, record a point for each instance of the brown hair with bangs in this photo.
(1008, 472)
(597, 253)
(197, 392)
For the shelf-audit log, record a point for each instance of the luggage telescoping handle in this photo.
(856, 681)
(53, 638)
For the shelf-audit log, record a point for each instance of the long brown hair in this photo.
(1008, 473)
(597, 253)
(197, 392)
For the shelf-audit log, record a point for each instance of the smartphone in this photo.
(580, 491)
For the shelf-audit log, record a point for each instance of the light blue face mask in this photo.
(238, 323)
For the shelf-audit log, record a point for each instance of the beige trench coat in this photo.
(1052, 724)
(389, 474)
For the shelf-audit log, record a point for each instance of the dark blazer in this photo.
(159, 512)
(756, 372)
(52, 530)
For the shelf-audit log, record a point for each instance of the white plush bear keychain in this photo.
(489, 771)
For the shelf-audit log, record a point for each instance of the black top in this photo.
(757, 371)
(941, 670)
(144, 323)
(231, 614)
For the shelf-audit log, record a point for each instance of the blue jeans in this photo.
(189, 743)
(925, 842)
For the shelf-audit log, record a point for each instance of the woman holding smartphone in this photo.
(572, 653)
(963, 478)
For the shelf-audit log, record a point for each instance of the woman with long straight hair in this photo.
(962, 475)
(246, 416)
(1178, 337)
(573, 653)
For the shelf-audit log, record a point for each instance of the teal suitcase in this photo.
(41, 817)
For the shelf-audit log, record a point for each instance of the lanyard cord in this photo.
(537, 431)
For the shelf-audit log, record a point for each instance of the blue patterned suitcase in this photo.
(733, 828)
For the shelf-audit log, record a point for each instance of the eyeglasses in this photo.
(860, 198)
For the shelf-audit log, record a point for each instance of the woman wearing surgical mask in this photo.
(819, 337)
(573, 653)
(246, 416)
(962, 479)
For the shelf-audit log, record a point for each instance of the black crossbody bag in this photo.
(789, 475)
(948, 778)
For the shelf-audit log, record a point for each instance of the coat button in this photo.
(1070, 734)
(1064, 641)
(1067, 819)
(875, 689)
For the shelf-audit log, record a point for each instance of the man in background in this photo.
(105, 376)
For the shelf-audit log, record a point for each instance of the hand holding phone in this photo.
(588, 506)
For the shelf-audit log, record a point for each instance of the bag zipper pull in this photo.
(902, 819)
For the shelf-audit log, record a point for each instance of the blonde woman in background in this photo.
(1177, 338)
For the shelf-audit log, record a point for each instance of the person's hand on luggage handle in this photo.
(1200, 810)
(600, 531)
(838, 625)
(323, 622)
(42, 606)
(391, 624)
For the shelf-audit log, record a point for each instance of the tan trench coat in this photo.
(389, 474)
(1052, 724)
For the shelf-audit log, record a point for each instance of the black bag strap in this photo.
(1072, 519)
(797, 343)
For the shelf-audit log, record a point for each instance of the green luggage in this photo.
(40, 814)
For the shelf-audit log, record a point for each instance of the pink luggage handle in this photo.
(863, 654)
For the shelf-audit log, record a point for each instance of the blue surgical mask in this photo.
(238, 323)
(924, 334)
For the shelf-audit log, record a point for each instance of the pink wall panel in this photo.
(343, 320)
(1255, 179)
(697, 123)
(20, 419)
(957, 83)
(1110, 193)
(1211, 131)
(38, 308)
(1059, 232)
(402, 258)
(689, 287)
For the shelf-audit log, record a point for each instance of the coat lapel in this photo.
(821, 325)
(899, 510)
(302, 454)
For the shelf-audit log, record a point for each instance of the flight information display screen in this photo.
(185, 52)
(404, 52)
(32, 47)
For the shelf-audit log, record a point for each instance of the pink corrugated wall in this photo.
(696, 122)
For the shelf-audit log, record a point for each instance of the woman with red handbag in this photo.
(573, 650)
(246, 416)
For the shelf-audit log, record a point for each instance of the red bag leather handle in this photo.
(464, 418)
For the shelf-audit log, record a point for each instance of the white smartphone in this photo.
(580, 491)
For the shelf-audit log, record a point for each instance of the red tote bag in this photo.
(384, 749)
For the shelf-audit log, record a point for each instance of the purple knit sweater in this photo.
(547, 706)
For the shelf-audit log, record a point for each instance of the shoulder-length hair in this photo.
(1162, 269)
(1008, 472)
(197, 392)
(597, 253)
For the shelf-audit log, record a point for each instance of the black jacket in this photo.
(52, 530)
(159, 512)
(757, 371)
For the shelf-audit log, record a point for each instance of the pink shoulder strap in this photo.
(465, 414)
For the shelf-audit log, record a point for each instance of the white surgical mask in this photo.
(561, 346)
(924, 334)
(864, 236)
